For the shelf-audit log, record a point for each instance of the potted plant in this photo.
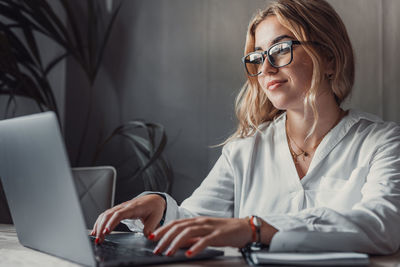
(23, 73)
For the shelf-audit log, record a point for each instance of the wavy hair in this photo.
(308, 20)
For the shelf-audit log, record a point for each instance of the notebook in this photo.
(261, 256)
(44, 203)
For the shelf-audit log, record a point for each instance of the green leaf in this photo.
(54, 62)
(80, 55)
(106, 38)
(42, 14)
(154, 170)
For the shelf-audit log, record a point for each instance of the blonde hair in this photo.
(308, 20)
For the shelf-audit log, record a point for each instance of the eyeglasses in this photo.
(279, 55)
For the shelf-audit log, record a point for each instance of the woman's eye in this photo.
(255, 59)
(280, 50)
(284, 50)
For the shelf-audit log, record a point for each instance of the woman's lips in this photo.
(272, 85)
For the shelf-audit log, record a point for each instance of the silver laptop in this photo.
(44, 204)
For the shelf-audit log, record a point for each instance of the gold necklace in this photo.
(303, 152)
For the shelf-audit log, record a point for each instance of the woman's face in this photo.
(286, 86)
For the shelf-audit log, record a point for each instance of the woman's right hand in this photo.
(149, 209)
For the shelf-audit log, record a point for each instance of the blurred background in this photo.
(178, 63)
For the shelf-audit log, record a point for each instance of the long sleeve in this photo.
(370, 226)
(214, 197)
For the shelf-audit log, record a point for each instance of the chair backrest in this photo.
(96, 190)
(5, 216)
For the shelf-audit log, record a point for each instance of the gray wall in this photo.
(177, 62)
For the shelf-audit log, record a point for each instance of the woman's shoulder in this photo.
(371, 125)
(367, 119)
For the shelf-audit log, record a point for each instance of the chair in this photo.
(5, 216)
(96, 189)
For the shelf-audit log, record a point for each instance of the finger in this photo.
(182, 238)
(167, 237)
(200, 245)
(115, 219)
(96, 224)
(124, 211)
(151, 223)
(190, 242)
(103, 220)
(99, 229)
(160, 232)
(96, 227)
(93, 232)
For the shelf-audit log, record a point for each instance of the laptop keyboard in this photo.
(137, 250)
(109, 250)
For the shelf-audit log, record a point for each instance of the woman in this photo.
(300, 173)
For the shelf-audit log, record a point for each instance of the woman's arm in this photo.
(370, 226)
(198, 233)
(214, 197)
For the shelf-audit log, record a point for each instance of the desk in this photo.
(13, 254)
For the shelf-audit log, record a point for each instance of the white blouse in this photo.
(349, 200)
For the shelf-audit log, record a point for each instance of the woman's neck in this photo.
(300, 121)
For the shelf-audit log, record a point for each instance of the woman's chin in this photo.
(283, 101)
(280, 104)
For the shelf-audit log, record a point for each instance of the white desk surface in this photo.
(13, 254)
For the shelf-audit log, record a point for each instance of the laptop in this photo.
(44, 203)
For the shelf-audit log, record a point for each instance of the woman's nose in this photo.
(267, 68)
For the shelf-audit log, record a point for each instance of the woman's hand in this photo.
(200, 232)
(149, 209)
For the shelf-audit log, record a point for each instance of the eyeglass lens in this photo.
(279, 55)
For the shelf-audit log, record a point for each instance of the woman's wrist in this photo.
(267, 232)
(262, 235)
(246, 231)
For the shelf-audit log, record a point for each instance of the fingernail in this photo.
(106, 230)
(97, 240)
(156, 251)
(151, 236)
(189, 253)
(169, 253)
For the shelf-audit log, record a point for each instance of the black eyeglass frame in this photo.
(266, 54)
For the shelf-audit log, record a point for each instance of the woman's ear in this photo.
(329, 67)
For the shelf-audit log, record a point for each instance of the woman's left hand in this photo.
(200, 232)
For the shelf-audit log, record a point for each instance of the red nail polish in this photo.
(169, 253)
(189, 253)
(157, 251)
(151, 236)
(97, 240)
(106, 230)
